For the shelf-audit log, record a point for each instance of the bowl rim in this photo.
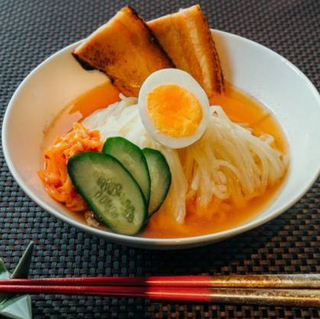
(143, 241)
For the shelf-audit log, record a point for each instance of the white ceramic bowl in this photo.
(249, 66)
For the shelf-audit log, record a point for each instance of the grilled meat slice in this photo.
(187, 39)
(125, 49)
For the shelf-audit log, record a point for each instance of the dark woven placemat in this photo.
(30, 31)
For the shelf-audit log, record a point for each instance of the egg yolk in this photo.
(174, 110)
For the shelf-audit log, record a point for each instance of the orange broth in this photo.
(97, 98)
(239, 107)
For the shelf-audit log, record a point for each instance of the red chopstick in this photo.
(197, 294)
(307, 281)
(293, 290)
(162, 281)
(288, 297)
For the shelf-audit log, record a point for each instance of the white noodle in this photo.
(227, 163)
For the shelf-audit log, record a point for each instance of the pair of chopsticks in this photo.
(284, 290)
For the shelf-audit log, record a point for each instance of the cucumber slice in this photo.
(132, 158)
(109, 190)
(160, 178)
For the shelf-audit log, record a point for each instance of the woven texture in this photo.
(32, 30)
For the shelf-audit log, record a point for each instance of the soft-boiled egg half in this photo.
(173, 107)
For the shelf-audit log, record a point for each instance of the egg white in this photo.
(186, 81)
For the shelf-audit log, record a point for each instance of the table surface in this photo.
(32, 30)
